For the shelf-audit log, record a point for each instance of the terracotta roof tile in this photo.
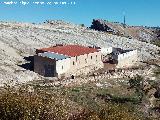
(70, 50)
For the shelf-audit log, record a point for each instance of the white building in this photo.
(106, 50)
(64, 60)
(123, 58)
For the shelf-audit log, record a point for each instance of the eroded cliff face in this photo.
(141, 33)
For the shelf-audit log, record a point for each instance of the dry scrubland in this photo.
(86, 102)
(107, 99)
(97, 100)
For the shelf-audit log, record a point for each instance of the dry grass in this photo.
(94, 99)
(23, 105)
(75, 103)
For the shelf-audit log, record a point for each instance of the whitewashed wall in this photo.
(106, 50)
(127, 59)
(62, 66)
(84, 61)
(82, 64)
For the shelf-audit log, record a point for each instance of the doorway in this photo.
(49, 71)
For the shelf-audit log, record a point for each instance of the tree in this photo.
(82, 25)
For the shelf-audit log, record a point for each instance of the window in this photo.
(73, 63)
(91, 57)
(62, 67)
(96, 57)
(76, 58)
(86, 60)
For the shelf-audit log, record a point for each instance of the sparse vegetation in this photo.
(110, 102)
(73, 104)
(23, 105)
(156, 42)
(157, 71)
(136, 83)
(105, 104)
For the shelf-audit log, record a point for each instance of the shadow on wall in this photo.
(30, 64)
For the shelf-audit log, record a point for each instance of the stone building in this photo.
(65, 60)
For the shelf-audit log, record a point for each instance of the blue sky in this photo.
(138, 12)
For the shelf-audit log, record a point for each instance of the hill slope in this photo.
(18, 40)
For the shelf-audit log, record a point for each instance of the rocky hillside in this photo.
(141, 33)
(19, 40)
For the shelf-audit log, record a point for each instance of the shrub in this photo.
(157, 71)
(82, 25)
(22, 105)
(137, 84)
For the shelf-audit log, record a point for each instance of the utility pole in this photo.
(124, 19)
(124, 24)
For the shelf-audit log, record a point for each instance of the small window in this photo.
(96, 57)
(91, 57)
(73, 63)
(86, 60)
(76, 58)
(62, 67)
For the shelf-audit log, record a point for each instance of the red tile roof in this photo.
(70, 50)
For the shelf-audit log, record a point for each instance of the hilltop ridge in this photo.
(142, 33)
